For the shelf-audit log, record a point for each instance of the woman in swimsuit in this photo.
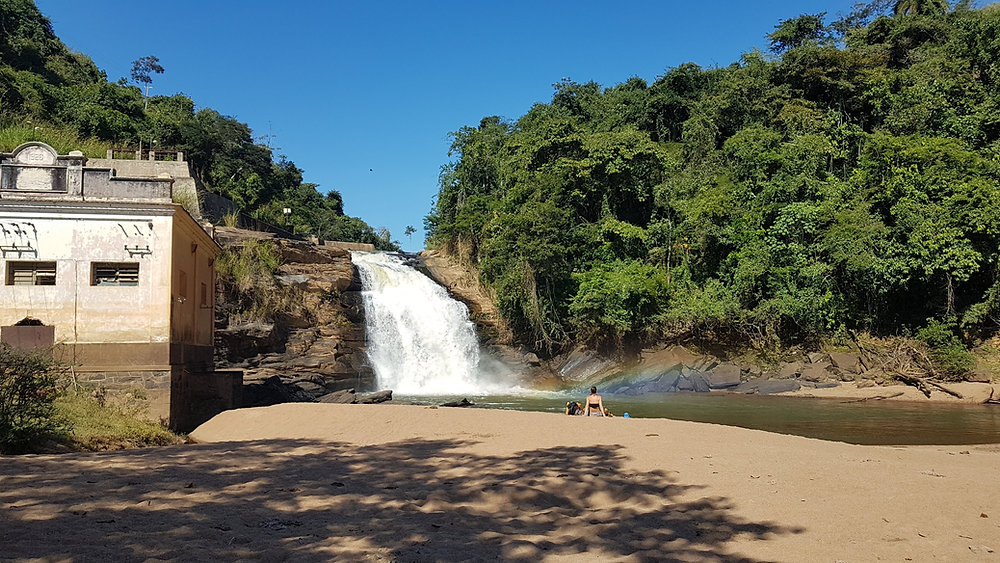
(594, 404)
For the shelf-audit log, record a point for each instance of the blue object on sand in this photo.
(626, 416)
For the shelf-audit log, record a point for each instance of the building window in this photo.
(31, 273)
(114, 273)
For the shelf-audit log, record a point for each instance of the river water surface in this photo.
(869, 422)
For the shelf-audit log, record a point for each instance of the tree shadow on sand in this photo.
(305, 500)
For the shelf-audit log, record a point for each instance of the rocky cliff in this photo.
(316, 344)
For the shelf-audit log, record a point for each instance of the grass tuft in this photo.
(62, 140)
(98, 427)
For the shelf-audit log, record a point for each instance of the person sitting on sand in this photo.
(594, 404)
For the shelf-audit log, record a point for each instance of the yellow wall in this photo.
(193, 283)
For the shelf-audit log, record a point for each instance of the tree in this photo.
(141, 70)
(409, 232)
(797, 32)
(920, 7)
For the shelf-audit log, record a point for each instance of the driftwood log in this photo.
(875, 398)
(907, 365)
(992, 400)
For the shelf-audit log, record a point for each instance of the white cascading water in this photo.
(420, 340)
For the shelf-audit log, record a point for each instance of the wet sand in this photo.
(408, 483)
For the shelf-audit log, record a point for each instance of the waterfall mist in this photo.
(420, 340)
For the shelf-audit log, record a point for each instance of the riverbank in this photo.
(968, 393)
(394, 482)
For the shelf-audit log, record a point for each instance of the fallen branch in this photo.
(951, 392)
(991, 400)
(875, 398)
(915, 382)
(924, 385)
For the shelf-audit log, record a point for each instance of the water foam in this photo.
(420, 340)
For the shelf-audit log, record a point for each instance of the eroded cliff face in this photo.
(315, 345)
(463, 284)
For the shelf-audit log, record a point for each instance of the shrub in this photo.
(618, 302)
(189, 200)
(96, 425)
(246, 274)
(947, 351)
(231, 219)
(27, 391)
(249, 264)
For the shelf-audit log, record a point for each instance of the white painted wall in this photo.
(80, 312)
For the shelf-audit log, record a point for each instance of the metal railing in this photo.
(121, 153)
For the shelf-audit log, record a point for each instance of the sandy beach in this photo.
(409, 483)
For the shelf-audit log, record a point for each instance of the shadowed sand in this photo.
(393, 482)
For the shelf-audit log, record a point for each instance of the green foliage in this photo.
(143, 67)
(618, 302)
(921, 7)
(947, 351)
(189, 200)
(28, 387)
(852, 182)
(797, 32)
(249, 264)
(61, 139)
(249, 293)
(95, 423)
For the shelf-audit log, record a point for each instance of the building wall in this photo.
(184, 185)
(192, 293)
(84, 314)
(155, 337)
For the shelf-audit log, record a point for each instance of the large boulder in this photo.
(273, 391)
(817, 357)
(815, 372)
(694, 382)
(772, 386)
(235, 343)
(768, 386)
(344, 396)
(723, 376)
(671, 355)
(377, 397)
(584, 365)
(846, 361)
(789, 370)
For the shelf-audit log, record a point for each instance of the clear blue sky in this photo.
(361, 95)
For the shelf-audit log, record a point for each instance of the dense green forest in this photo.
(847, 181)
(52, 94)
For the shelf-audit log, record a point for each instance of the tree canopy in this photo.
(849, 181)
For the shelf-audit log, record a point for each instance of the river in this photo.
(869, 422)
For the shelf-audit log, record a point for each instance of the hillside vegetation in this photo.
(848, 181)
(49, 93)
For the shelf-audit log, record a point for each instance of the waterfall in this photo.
(420, 340)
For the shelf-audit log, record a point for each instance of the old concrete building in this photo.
(114, 275)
